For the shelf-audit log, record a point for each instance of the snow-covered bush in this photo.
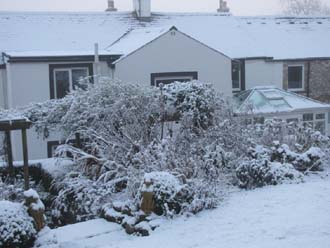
(194, 99)
(16, 226)
(79, 199)
(258, 173)
(170, 195)
(310, 160)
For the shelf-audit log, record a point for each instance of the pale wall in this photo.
(29, 82)
(262, 73)
(177, 53)
(3, 88)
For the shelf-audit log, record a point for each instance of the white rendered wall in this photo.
(3, 89)
(29, 82)
(176, 53)
(262, 73)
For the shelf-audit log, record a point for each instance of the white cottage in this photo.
(44, 54)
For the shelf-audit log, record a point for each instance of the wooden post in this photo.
(78, 140)
(9, 153)
(26, 159)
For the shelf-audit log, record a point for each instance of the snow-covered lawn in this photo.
(292, 216)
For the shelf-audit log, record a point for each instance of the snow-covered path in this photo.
(286, 216)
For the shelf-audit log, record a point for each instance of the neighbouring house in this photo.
(45, 54)
(261, 103)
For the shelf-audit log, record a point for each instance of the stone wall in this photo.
(320, 80)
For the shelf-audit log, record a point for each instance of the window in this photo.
(236, 76)
(317, 121)
(65, 78)
(170, 77)
(292, 120)
(296, 77)
(320, 123)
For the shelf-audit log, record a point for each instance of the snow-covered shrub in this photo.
(310, 160)
(258, 173)
(170, 195)
(79, 199)
(11, 192)
(195, 99)
(16, 226)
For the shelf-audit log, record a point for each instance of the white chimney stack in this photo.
(223, 7)
(111, 6)
(142, 8)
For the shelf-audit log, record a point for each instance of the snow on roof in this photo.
(136, 39)
(237, 37)
(267, 100)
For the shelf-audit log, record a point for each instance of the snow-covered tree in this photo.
(305, 7)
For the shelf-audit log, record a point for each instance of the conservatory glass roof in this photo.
(273, 100)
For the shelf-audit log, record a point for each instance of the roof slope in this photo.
(237, 37)
(267, 100)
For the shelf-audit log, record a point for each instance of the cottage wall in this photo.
(176, 52)
(3, 89)
(28, 83)
(320, 80)
(263, 73)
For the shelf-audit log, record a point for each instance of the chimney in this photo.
(142, 8)
(223, 7)
(111, 6)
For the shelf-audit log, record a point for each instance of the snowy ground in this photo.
(286, 216)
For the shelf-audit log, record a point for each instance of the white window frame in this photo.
(315, 121)
(303, 77)
(70, 77)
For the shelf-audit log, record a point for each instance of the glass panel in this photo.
(295, 77)
(292, 120)
(307, 117)
(259, 120)
(320, 117)
(236, 75)
(62, 83)
(78, 76)
(320, 126)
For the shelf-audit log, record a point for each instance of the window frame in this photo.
(66, 67)
(303, 77)
(154, 77)
(239, 77)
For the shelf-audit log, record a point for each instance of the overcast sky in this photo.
(238, 7)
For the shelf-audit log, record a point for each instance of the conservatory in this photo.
(261, 103)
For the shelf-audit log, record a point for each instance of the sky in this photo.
(238, 7)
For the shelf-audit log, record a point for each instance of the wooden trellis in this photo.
(8, 126)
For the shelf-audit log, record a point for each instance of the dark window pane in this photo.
(308, 117)
(320, 126)
(295, 77)
(320, 117)
(236, 75)
(62, 83)
(78, 78)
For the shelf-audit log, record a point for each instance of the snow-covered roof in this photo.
(238, 37)
(268, 100)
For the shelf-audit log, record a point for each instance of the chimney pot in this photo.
(111, 6)
(142, 8)
(223, 7)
